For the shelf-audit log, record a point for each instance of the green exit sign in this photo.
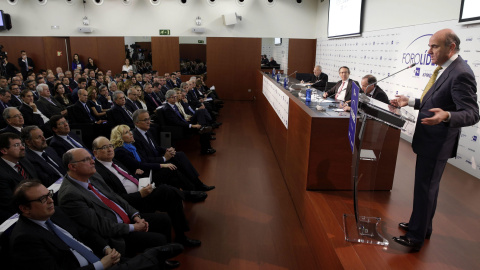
(164, 32)
(201, 41)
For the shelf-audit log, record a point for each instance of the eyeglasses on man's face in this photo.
(105, 147)
(87, 159)
(44, 198)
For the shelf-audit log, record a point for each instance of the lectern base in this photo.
(366, 231)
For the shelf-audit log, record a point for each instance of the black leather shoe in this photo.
(195, 196)
(404, 226)
(189, 242)
(171, 264)
(404, 241)
(209, 151)
(212, 138)
(205, 129)
(205, 188)
(169, 251)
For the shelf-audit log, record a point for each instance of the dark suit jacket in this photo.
(455, 92)
(62, 102)
(319, 82)
(61, 146)
(173, 118)
(348, 94)
(29, 117)
(47, 108)
(3, 123)
(23, 65)
(46, 174)
(120, 117)
(9, 128)
(9, 180)
(14, 102)
(80, 115)
(34, 247)
(145, 150)
(103, 101)
(151, 106)
(126, 157)
(90, 212)
(129, 104)
(192, 97)
(380, 95)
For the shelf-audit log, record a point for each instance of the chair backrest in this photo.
(160, 117)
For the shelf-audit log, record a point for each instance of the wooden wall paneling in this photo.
(53, 45)
(111, 54)
(232, 64)
(85, 47)
(301, 55)
(193, 51)
(165, 54)
(145, 46)
(32, 45)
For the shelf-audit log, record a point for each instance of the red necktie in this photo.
(341, 88)
(21, 171)
(124, 174)
(111, 205)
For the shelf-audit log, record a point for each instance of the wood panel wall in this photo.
(34, 46)
(232, 66)
(107, 52)
(165, 54)
(193, 51)
(301, 55)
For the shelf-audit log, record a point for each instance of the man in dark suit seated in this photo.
(86, 199)
(272, 62)
(319, 79)
(48, 164)
(174, 117)
(131, 103)
(31, 114)
(14, 119)
(48, 105)
(373, 90)
(15, 101)
(14, 168)
(44, 237)
(118, 113)
(151, 99)
(104, 98)
(81, 114)
(5, 97)
(162, 198)
(149, 151)
(63, 140)
(342, 91)
(448, 103)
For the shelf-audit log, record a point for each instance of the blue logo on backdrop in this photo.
(474, 138)
(417, 71)
(420, 58)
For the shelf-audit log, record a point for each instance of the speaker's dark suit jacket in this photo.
(90, 212)
(61, 146)
(380, 95)
(119, 117)
(10, 179)
(46, 173)
(348, 95)
(319, 82)
(48, 108)
(454, 91)
(29, 117)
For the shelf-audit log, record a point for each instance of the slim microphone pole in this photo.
(412, 65)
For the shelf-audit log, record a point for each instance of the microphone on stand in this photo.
(292, 73)
(412, 65)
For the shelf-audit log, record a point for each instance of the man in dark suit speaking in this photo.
(448, 103)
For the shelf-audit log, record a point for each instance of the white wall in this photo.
(278, 52)
(142, 19)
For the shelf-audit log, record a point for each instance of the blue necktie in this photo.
(72, 243)
(89, 114)
(178, 113)
(74, 142)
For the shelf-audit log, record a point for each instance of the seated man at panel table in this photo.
(371, 89)
(44, 237)
(85, 198)
(47, 163)
(319, 79)
(342, 91)
(163, 198)
(14, 168)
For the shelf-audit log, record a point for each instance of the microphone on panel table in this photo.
(292, 73)
(412, 65)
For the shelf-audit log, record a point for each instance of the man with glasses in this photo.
(48, 164)
(14, 168)
(343, 89)
(131, 103)
(14, 119)
(45, 238)
(119, 114)
(63, 140)
(15, 101)
(86, 199)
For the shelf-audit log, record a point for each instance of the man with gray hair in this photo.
(319, 79)
(48, 105)
(119, 114)
(14, 119)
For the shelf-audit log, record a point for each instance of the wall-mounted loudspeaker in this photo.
(69, 2)
(154, 2)
(42, 2)
(12, 2)
(97, 2)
